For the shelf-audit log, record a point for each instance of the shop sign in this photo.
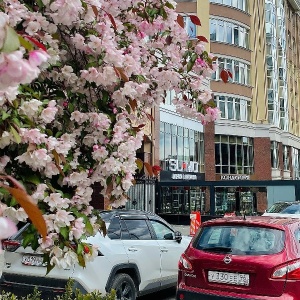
(234, 177)
(184, 176)
(177, 165)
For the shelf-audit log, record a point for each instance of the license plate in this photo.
(32, 260)
(229, 278)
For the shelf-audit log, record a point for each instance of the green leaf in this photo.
(49, 267)
(40, 3)
(4, 191)
(89, 228)
(13, 202)
(15, 134)
(64, 231)
(108, 180)
(28, 238)
(81, 260)
(35, 243)
(118, 180)
(79, 249)
(5, 115)
(28, 46)
(11, 42)
(169, 5)
(17, 122)
(33, 179)
(190, 65)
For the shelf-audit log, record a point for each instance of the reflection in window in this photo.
(240, 4)
(286, 158)
(190, 27)
(233, 155)
(228, 32)
(138, 229)
(182, 148)
(274, 154)
(160, 229)
(240, 70)
(233, 108)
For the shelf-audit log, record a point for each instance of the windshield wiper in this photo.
(217, 249)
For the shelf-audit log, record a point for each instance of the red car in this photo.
(242, 258)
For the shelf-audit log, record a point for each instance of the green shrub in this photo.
(69, 294)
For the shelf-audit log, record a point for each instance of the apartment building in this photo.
(250, 158)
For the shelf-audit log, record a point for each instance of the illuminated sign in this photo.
(177, 165)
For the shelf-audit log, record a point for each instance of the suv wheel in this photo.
(124, 287)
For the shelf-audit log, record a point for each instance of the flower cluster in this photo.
(77, 78)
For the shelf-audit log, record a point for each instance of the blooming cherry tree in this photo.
(77, 80)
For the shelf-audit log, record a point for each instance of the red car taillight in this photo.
(10, 245)
(184, 263)
(290, 270)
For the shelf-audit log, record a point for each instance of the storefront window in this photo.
(182, 200)
(181, 145)
(274, 154)
(235, 199)
(286, 158)
(233, 155)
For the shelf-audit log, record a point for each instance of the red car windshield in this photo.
(244, 240)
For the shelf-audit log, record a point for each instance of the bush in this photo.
(69, 294)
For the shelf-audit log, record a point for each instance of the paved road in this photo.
(168, 294)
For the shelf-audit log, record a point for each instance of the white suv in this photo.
(139, 255)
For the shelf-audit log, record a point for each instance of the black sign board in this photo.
(181, 176)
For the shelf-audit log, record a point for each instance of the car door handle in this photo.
(164, 250)
(131, 249)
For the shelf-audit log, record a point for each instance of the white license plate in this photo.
(229, 278)
(32, 260)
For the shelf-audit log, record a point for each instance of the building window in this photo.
(233, 108)
(189, 27)
(233, 155)
(228, 32)
(295, 163)
(240, 4)
(181, 149)
(286, 158)
(240, 70)
(274, 155)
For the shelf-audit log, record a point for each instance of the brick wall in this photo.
(262, 158)
(209, 151)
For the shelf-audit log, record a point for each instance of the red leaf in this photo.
(180, 21)
(37, 43)
(224, 75)
(202, 38)
(112, 20)
(148, 168)
(150, 117)
(195, 20)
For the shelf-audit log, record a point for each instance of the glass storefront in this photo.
(182, 199)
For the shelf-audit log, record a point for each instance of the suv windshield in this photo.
(285, 208)
(246, 240)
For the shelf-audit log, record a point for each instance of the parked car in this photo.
(242, 258)
(284, 209)
(139, 255)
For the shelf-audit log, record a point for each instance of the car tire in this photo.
(124, 286)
